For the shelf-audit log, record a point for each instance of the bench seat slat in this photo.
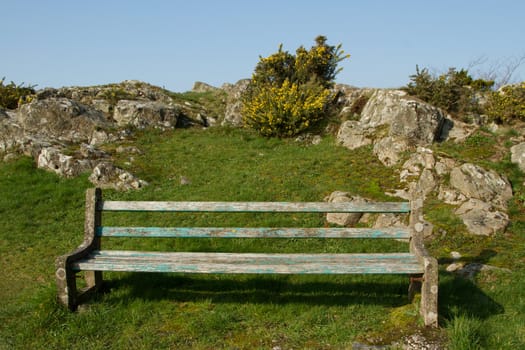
(255, 232)
(397, 263)
(271, 207)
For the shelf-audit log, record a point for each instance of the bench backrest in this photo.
(249, 207)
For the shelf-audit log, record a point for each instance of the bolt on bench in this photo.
(88, 257)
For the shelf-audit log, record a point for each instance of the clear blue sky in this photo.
(175, 43)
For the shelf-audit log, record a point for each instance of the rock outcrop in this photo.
(60, 119)
(233, 116)
(480, 195)
(393, 122)
(107, 175)
(142, 114)
(57, 119)
(475, 182)
(53, 159)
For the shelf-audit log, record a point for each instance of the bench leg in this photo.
(66, 287)
(93, 279)
(414, 286)
(429, 293)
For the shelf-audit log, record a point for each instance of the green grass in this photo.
(41, 217)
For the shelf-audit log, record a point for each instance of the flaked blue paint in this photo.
(402, 263)
(259, 232)
(258, 207)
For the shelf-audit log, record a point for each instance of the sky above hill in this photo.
(174, 43)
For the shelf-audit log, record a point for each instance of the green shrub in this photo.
(290, 93)
(507, 104)
(454, 91)
(11, 95)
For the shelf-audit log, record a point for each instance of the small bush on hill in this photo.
(11, 95)
(289, 93)
(508, 104)
(454, 91)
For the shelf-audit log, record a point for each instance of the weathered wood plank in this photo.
(271, 207)
(391, 263)
(256, 232)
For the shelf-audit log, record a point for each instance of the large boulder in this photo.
(475, 182)
(60, 119)
(142, 114)
(232, 115)
(419, 122)
(482, 218)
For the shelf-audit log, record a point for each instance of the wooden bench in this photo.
(89, 258)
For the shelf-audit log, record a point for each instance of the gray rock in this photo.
(107, 175)
(344, 219)
(390, 220)
(54, 160)
(451, 196)
(389, 150)
(455, 255)
(351, 100)
(232, 115)
(481, 218)
(184, 180)
(142, 114)
(381, 108)
(104, 106)
(91, 152)
(351, 135)
(422, 159)
(128, 149)
(517, 155)
(309, 139)
(444, 165)
(427, 182)
(99, 137)
(418, 122)
(11, 134)
(199, 86)
(60, 119)
(456, 130)
(486, 185)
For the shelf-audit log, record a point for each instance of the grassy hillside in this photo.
(41, 217)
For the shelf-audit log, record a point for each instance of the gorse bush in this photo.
(11, 95)
(454, 91)
(287, 109)
(290, 93)
(507, 104)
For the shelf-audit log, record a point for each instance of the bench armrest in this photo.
(91, 241)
